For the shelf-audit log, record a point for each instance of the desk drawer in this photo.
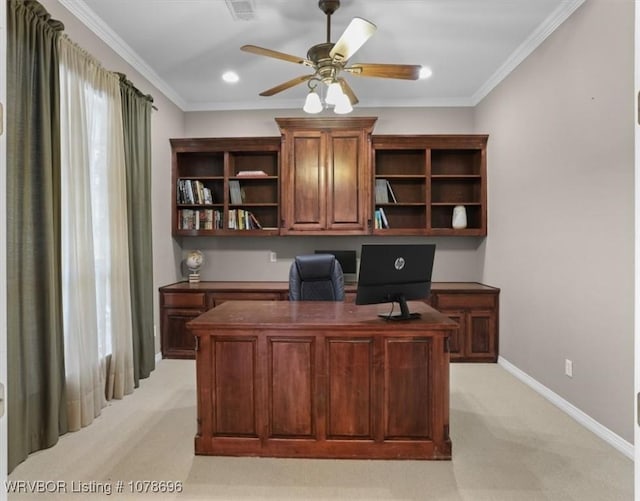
(473, 301)
(184, 299)
(221, 297)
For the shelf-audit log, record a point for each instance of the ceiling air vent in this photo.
(242, 10)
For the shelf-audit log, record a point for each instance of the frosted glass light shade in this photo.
(333, 93)
(312, 104)
(343, 105)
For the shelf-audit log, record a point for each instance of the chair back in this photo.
(316, 277)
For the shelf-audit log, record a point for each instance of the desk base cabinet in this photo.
(476, 339)
(472, 305)
(346, 391)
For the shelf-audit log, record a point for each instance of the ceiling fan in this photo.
(328, 60)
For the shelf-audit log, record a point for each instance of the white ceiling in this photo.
(183, 46)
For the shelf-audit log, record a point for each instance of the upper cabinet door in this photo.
(304, 181)
(348, 181)
(326, 176)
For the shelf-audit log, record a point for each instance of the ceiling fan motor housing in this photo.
(326, 67)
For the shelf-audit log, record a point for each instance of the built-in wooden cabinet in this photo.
(226, 186)
(326, 181)
(427, 176)
(472, 305)
(475, 307)
(177, 307)
(319, 178)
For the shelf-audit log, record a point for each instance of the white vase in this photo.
(459, 219)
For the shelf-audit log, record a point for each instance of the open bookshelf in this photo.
(429, 176)
(204, 173)
(411, 186)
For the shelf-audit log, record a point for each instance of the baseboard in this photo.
(585, 420)
(158, 358)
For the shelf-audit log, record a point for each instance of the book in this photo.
(190, 195)
(198, 191)
(382, 196)
(254, 221)
(234, 192)
(208, 219)
(251, 173)
(383, 216)
(390, 190)
(208, 195)
(384, 191)
(241, 219)
(232, 219)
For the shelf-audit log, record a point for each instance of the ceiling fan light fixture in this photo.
(312, 104)
(334, 93)
(329, 59)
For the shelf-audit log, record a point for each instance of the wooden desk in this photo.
(323, 380)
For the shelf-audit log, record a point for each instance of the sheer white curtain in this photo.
(95, 268)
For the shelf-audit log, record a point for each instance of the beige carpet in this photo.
(508, 444)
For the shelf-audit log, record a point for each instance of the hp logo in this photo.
(399, 263)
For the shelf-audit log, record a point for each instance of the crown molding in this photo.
(555, 19)
(89, 18)
(296, 104)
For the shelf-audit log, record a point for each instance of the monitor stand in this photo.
(404, 314)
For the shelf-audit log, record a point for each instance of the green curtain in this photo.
(136, 117)
(36, 414)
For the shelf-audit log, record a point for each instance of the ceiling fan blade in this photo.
(346, 88)
(402, 71)
(286, 85)
(356, 34)
(261, 51)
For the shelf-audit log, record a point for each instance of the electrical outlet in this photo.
(568, 367)
(273, 257)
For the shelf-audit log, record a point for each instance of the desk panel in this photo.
(322, 379)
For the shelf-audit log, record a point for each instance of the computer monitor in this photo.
(395, 273)
(346, 258)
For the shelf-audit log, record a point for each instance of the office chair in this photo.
(316, 277)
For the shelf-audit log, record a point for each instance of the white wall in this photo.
(390, 121)
(561, 204)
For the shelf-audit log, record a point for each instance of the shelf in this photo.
(470, 177)
(442, 214)
(211, 163)
(456, 161)
(430, 175)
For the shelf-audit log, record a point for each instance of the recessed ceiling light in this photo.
(425, 72)
(230, 77)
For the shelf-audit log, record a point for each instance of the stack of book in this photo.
(203, 219)
(380, 219)
(193, 191)
(241, 219)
